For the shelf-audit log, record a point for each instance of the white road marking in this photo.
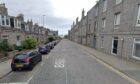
(66, 72)
(59, 63)
(29, 79)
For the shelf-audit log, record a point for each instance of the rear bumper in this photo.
(25, 66)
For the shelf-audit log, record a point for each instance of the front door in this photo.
(94, 42)
(115, 45)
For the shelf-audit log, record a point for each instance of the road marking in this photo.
(66, 72)
(59, 63)
(29, 79)
(133, 81)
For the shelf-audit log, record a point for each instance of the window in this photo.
(136, 48)
(18, 38)
(117, 19)
(97, 10)
(118, 1)
(102, 42)
(138, 17)
(104, 5)
(89, 27)
(3, 20)
(95, 26)
(7, 21)
(103, 23)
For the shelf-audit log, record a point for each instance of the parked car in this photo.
(25, 60)
(51, 45)
(48, 47)
(43, 50)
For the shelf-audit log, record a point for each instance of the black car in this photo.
(48, 47)
(43, 50)
(25, 60)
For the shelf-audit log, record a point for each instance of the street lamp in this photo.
(43, 19)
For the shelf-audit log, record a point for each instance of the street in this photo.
(66, 64)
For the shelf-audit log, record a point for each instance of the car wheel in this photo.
(14, 69)
(40, 59)
(30, 67)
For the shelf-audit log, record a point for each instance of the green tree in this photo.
(29, 43)
(50, 39)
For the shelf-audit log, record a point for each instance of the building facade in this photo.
(113, 27)
(15, 30)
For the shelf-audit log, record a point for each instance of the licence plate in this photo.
(19, 65)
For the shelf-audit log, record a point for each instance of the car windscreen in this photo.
(21, 56)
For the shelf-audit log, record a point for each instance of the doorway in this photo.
(115, 45)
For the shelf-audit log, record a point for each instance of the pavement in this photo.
(71, 63)
(5, 68)
(129, 68)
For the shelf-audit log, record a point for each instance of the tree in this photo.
(50, 39)
(29, 43)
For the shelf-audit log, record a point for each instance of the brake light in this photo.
(27, 60)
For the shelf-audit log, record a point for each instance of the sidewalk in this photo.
(129, 68)
(5, 68)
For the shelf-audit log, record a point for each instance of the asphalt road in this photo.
(66, 64)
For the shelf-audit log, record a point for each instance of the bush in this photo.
(4, 46)
(29, 43)
(19, 48)
(50, 39)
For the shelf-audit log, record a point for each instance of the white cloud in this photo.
(59, 13)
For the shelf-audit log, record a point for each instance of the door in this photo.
(94, 42)
(115, 45)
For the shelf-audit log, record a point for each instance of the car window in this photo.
(21, 56)
(32, 54)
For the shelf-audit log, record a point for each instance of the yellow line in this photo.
(133, 81)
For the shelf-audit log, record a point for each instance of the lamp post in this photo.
(43, 19)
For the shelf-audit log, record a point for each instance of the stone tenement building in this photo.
(15, 29)
(113, 27)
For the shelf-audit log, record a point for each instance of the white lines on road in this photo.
(59, 63)
(29, 79)
(66, 72)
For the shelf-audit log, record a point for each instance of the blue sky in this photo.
(59, 14)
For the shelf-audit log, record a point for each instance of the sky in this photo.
(59, 14)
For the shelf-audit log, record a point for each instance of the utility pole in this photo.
(43, 19)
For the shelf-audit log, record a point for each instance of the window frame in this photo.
(138, 16)
(103, 23)
(104, 5)
(118, 1)
(133, 51)
(102, 41)
(116, 21)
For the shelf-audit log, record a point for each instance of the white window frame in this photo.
(134, 49)
(102, 42)
(138, 16)
(118, 1)
(117, 18)
(104, 5)
(97, 8)
(103, 23)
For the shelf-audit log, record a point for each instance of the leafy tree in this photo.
(50, 39)
(29, 43)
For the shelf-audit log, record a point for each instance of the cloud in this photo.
(59, 13)
(35, 9)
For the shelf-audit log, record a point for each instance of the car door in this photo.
(33, 57)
